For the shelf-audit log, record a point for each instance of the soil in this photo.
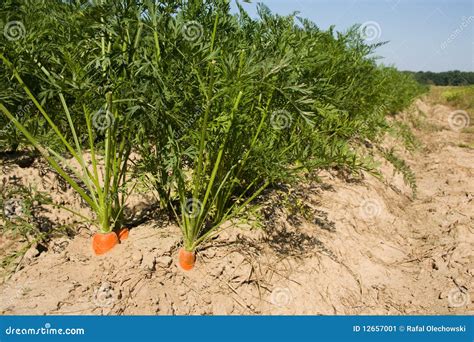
(335, 245)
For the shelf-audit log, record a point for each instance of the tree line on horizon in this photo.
(445, 78)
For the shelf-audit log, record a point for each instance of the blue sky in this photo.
(435, 35)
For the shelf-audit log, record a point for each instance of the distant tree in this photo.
(447, 78)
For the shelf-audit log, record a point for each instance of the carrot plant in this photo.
(217, 106)
(227, 160)
(100, 186)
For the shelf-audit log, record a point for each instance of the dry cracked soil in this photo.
(345, 246)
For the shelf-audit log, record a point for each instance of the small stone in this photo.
(31, 253)
(148, 262)
(164, 261)
(137, 257)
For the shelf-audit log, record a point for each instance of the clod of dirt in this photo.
(164, 261)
